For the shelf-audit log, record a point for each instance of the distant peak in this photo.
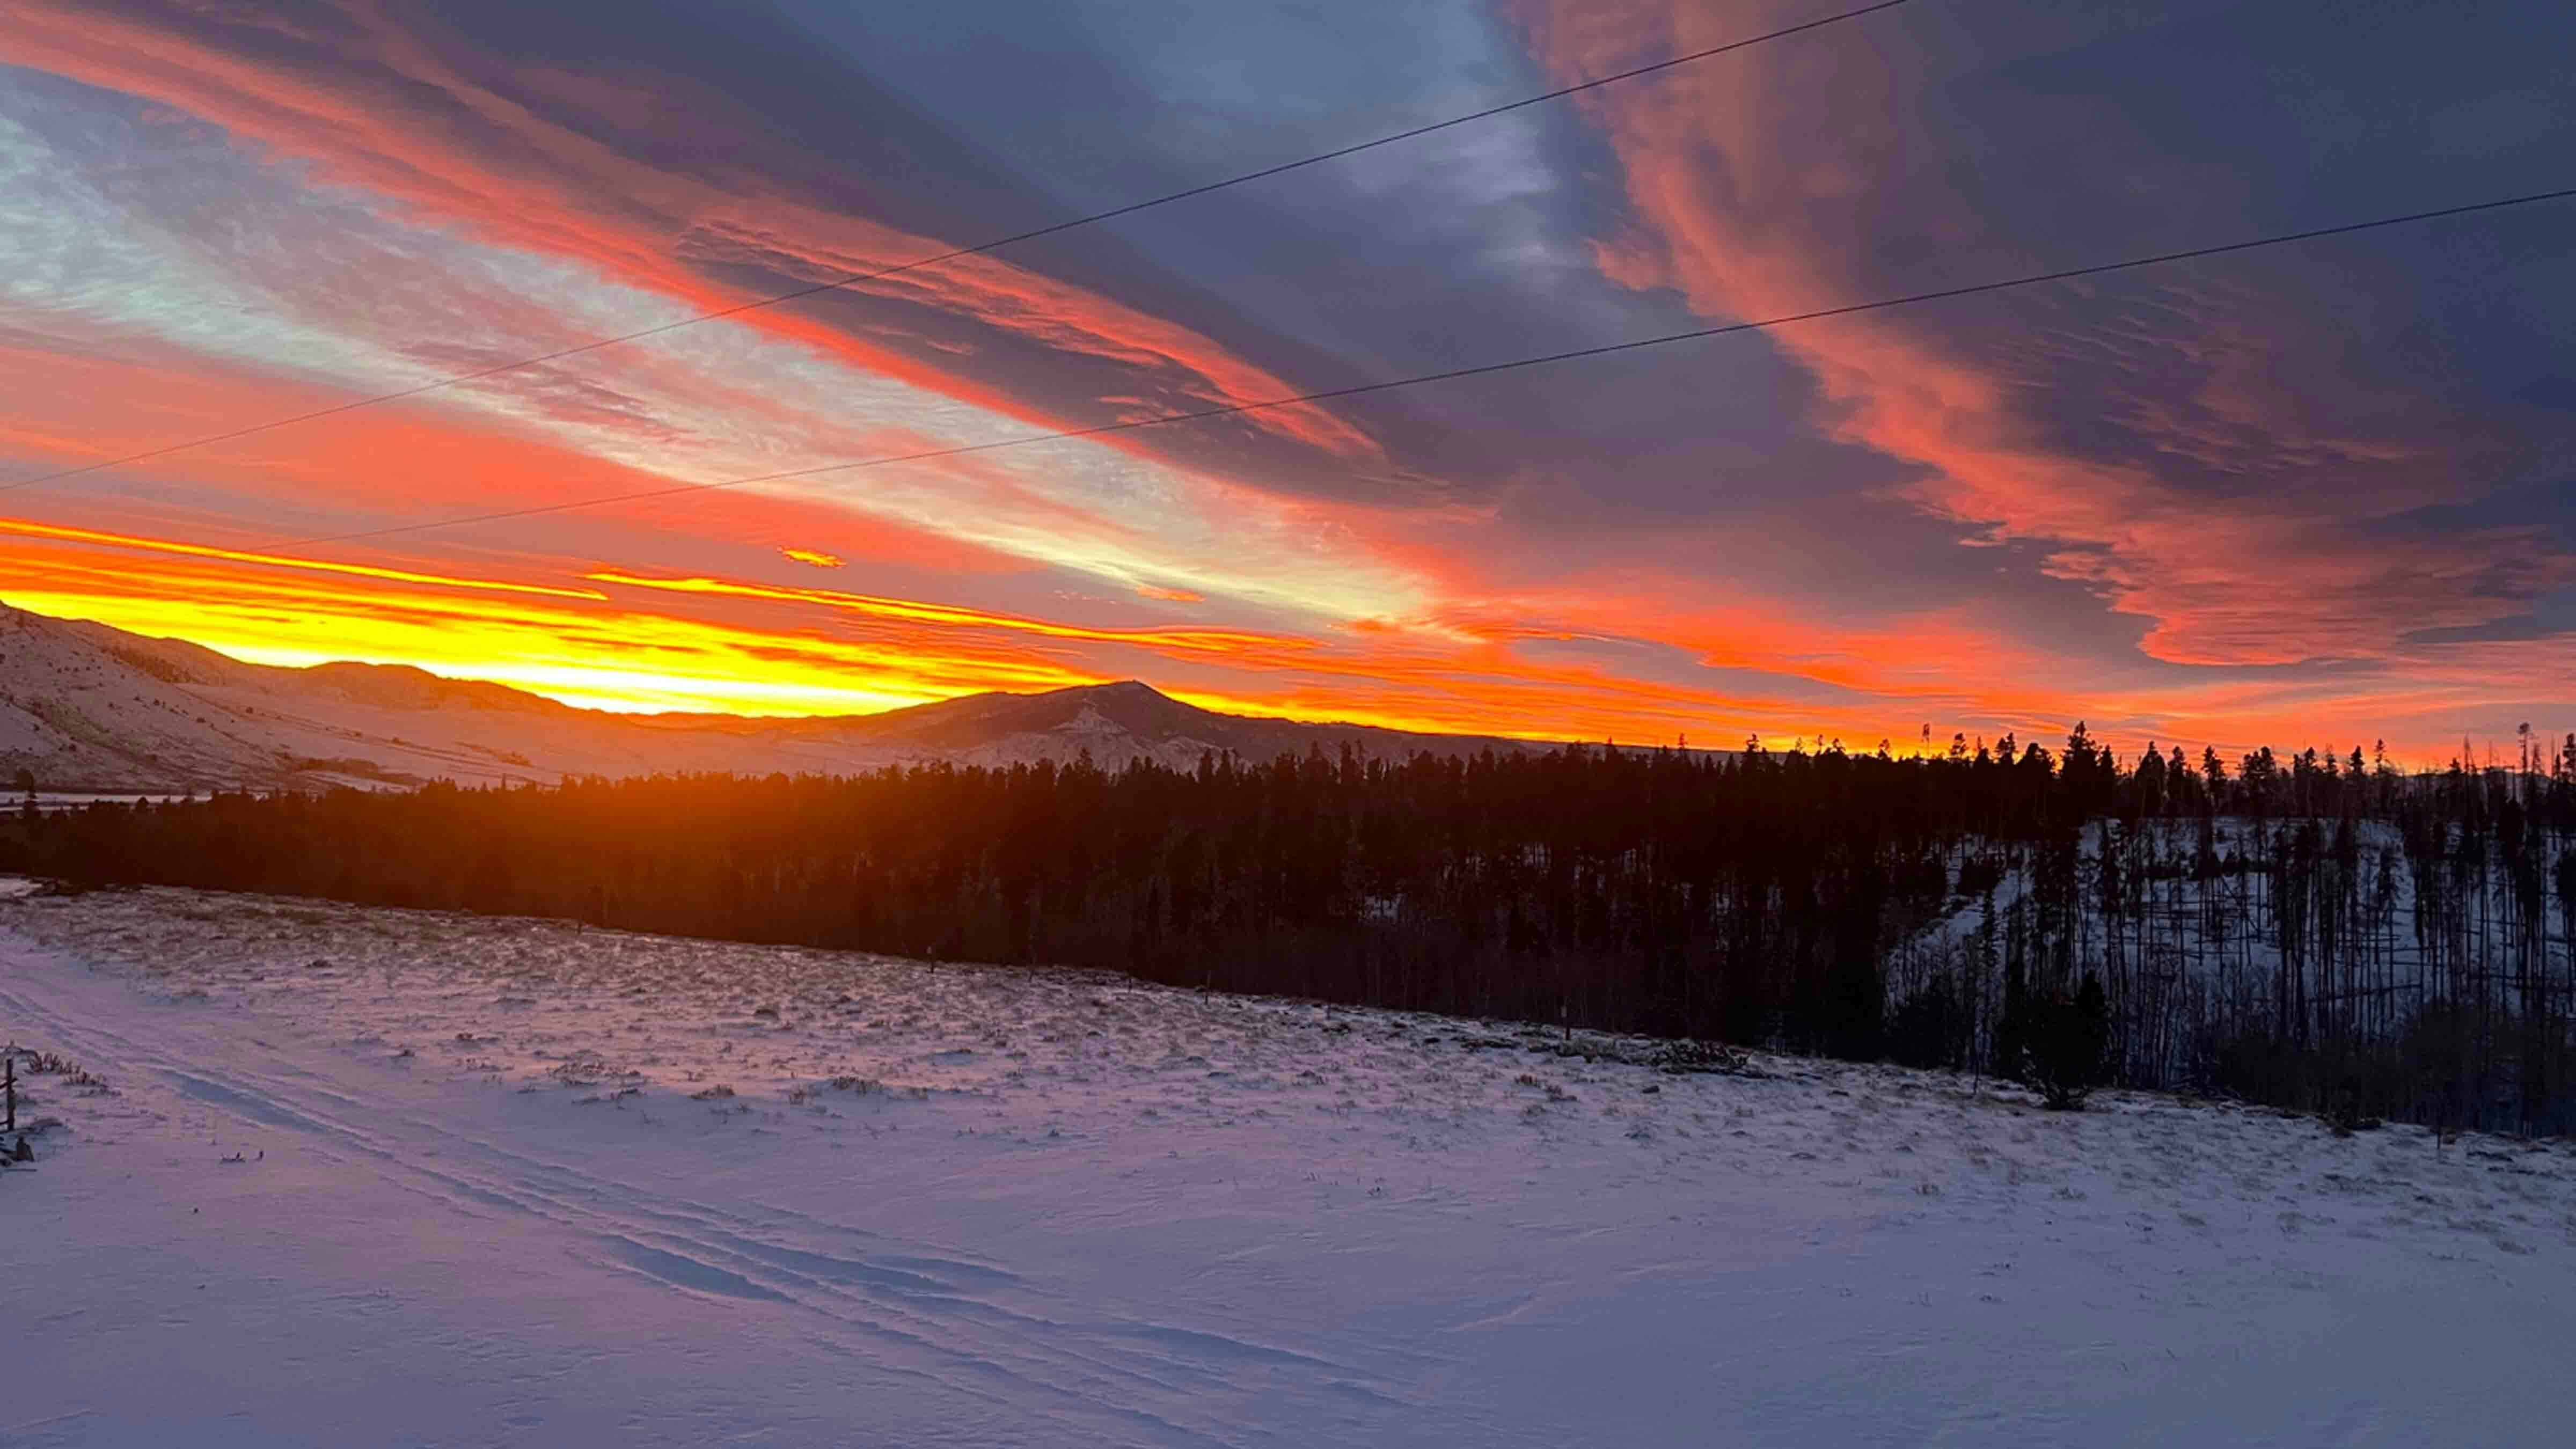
(1130, 704)
(1124, 691)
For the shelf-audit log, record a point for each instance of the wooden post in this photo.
(9, 1088)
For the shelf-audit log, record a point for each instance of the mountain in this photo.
(1120, 722)
(87, 709)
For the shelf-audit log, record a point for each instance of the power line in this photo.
(1541, 360)
(979, 249)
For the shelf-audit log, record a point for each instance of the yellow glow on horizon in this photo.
(625, 691)
(625, 662)
(707, 645)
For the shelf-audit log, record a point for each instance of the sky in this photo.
(2309, 495)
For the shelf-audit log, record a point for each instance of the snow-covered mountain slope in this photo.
(380, 1176)
(1117, 723)
(84, 707)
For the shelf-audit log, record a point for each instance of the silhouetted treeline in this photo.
(2314, 931)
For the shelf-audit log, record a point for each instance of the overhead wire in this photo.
(1666, 339)
(918, 263)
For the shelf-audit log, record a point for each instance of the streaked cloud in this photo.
(2296, 497)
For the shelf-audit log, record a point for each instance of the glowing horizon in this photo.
(2311, 500)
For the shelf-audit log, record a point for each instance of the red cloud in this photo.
(395, 112)
(409, 460)
(1738, 208)
(1758, 189)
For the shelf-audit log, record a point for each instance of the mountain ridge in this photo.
(87, 708)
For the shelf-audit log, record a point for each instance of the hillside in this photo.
(87, 708)
(503, 1181)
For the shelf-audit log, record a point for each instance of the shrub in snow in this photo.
(1699, 1056)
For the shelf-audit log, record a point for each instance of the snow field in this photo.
(502, 1181)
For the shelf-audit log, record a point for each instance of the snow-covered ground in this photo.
(378, 1177)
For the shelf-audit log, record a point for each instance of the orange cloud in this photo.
(1407, 621)
(813, 558)
(601, 657)
(1749, 209)
(400, 463)
(1219, 641)
(28, 529)
(585, 647)
(375, 107)
(397, 458)
(638, 655)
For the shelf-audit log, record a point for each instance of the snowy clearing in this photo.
(390, 1177)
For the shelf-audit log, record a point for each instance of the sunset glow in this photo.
(2296, 499)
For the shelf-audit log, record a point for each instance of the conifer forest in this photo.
(2316, 932)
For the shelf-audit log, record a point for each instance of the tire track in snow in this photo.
(703, 1238)
(1094, 1368)
(604, 1239)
